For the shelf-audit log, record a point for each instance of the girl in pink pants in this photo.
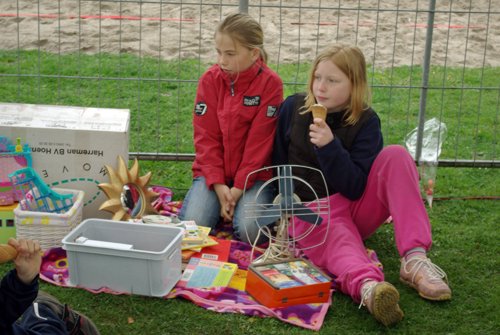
(366, 182)
(391, 187)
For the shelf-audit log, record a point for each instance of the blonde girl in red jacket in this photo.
(234, 125)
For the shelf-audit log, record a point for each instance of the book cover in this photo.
(187, 254)
(239, 280)
(192, 233)
(292, 273)
(207, 242)
(218, 252)
(204, 273)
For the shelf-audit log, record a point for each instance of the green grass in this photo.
(465, 231)
(465, 246)
(160, 96)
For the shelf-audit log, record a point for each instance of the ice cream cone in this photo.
(319, 111)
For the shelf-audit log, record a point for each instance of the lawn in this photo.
(465, 220)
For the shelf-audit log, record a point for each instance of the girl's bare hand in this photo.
(226, 201)
(320, 133)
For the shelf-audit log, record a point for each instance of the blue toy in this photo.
(37, 196)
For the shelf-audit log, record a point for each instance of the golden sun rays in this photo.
(123, 179)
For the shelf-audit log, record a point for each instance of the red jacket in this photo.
(234, 124)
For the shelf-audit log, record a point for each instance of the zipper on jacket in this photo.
(231, 88)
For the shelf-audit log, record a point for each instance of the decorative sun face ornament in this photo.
(128, 194)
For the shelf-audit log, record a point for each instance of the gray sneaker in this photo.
(76, 323)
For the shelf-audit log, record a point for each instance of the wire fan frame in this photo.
(286, 212)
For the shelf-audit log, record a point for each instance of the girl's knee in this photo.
(395, 151)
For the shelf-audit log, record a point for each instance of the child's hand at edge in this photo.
(28, 260)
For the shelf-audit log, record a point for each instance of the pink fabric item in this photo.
(164, 203)
(392, 190)
(54, 270)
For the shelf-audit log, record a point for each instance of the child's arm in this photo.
(28, 259)
(282, 138)
(208, 141)
(19, 287)
(347, 171)
(260, 138)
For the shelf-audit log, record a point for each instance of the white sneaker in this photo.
(426, 277)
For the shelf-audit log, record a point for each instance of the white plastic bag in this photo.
(432, 139)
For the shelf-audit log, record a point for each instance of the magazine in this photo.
(205, 273)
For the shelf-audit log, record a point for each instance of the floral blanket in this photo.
(54, 270)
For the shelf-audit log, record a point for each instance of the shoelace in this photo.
(435, 272)
(366, 291)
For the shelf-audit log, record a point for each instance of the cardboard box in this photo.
(70, 145)
(126, 257)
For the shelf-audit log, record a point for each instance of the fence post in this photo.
(243, 6)
(425, 78)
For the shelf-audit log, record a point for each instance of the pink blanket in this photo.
(54, 270)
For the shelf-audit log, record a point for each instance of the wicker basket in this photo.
(49, 228)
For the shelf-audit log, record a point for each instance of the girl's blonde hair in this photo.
(351, 61)
(245, 30)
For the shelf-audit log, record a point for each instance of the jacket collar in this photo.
(246, 76)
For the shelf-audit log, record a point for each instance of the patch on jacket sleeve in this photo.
(271, 111)
(200, 108)
(251, 101)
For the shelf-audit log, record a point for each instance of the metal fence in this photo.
(427, 59)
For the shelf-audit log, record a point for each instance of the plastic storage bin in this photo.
(49, 228)
(125, 257)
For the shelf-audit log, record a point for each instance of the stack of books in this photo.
(198, 243)
(205, 258)
(196, 237)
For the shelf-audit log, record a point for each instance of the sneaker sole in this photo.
(385, 304)
(442, 297)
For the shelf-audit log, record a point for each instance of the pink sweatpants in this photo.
(392, 190)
